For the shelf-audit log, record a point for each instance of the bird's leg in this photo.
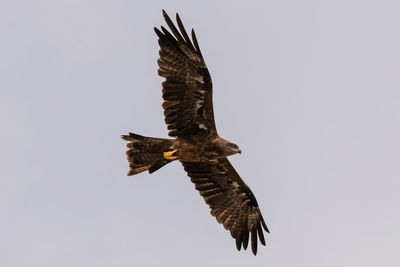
(170, 155)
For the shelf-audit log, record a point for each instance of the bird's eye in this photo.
(232, 145)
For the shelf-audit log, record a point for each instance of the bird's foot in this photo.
(170, 155)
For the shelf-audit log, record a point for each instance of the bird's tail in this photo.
(146, 153)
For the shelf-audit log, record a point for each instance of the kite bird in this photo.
(188, 111)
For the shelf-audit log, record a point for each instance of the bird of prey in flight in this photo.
(188, 111)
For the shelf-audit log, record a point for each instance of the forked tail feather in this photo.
(146, 153)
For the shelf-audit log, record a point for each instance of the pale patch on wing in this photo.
(203, 127)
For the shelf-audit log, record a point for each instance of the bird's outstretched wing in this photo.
(230, 199)
(187, 89)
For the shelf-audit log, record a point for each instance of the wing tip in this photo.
(158, 32)
(264, 225)
(261, 234)
(254, 241)
(238, 244)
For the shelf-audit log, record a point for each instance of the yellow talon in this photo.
(170, 154)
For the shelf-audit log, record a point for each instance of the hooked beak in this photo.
(238, 150)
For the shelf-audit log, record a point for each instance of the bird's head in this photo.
(231, 148)
(225, 148)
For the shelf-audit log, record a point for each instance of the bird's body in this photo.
(188, 149)
(188, 111)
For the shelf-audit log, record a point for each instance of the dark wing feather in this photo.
(230, 199)
(187, 89)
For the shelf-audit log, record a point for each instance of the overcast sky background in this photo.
(310, 90)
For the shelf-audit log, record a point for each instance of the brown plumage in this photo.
(189, 115)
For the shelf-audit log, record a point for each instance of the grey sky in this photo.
(314, 83)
